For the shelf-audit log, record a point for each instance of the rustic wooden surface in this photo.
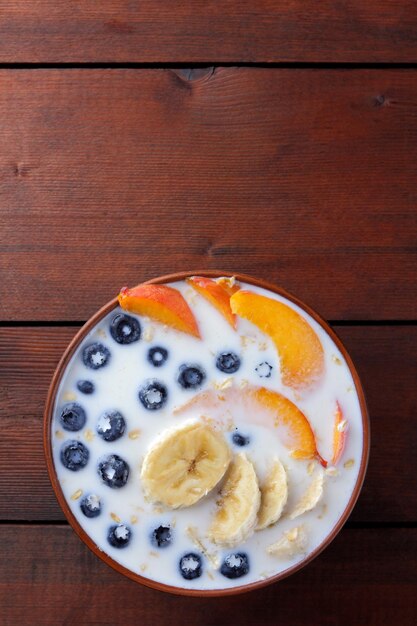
(112, 172)
(207, 30)
(269, 171)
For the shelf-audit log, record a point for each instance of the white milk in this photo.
(117, 386)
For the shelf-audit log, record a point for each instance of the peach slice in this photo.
(339, 434)
(216, 294)
(162, 303)
(300, 350)
(262, 406)
(205, 400)
(229, 283)
(300, 437)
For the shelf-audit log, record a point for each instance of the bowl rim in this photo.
(47, 439)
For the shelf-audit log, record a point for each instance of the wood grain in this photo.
(208, 31)
(304, 178)
(385, 357)
(350, 583)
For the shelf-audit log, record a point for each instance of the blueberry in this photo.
(111, 425)
(74, 455)
(153, 395)
(91, 505)
(240, 440)
(228, 362)
(264, 370)
(161, 537)
(125, 329)
(113, 471)
(72, 417)
(119, 535)
(85, 386)
(95, 355)
(191, 566)
(157, 356)
(191, 376)
(235, 565)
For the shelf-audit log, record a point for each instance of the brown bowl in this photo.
(48, 416)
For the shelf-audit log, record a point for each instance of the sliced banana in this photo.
(184, 465)
(311, 496)
(236, 516)
(292, 542)
(274, 494)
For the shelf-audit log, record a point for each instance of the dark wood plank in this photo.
(350, 583)
(201, 31)
(27, 360)
(385, 357)
(305, 178)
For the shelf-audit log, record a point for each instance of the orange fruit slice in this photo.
(262, 406)
(339, 434)
(299, 348)
(161, 303)
(216, 294)
(229, 283)
(299, 435)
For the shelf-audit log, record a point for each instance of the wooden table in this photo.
(273, 138)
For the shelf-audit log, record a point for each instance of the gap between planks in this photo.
(209, 64)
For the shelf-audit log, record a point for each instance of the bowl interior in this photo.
(85, 537)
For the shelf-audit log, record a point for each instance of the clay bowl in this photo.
(53, 389)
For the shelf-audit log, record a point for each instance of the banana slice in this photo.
(274, 494)
(311, 496)
(292, 542)
(184, 465)
(236, 516)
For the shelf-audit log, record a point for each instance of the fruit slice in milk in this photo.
(161, 303)
(301, 351)
(200, 433)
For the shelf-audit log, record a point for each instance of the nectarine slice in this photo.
(229, 283)
(262, 406)
(216, 294)
(300, 349)
(299, 434)
(161, 303)
(339, 434)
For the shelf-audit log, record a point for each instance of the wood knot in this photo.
(380, 100)
(20, 169)
(192, 74)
